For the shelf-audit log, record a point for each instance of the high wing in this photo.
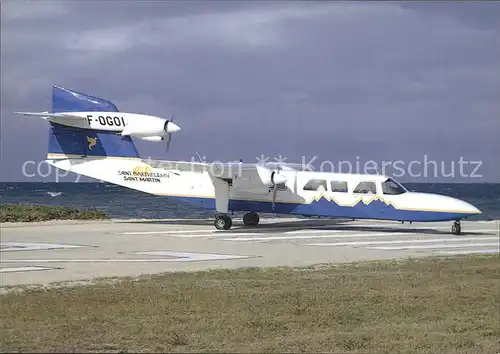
(221, 170)
(233, 174)
(228, 169)
(46, 115)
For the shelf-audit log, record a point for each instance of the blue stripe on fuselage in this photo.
(374, 210)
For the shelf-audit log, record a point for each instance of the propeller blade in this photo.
(169, 138)
(275, 190)
(169, 135)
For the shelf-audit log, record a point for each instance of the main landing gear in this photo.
(224, 221)
(251, 219)
(456, 229)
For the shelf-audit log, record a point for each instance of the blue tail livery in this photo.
(65, 100)
(87, 125)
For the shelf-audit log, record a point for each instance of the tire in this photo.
(223, 222)
(251, 219)
(256, 219)
(456, 229)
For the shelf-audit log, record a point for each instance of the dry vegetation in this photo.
(441, 305)
(31, 213)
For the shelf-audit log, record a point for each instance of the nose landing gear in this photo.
(456, 228)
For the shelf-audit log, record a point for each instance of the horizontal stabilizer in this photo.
(50, 115)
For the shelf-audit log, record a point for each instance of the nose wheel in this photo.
(251, 219)
(223, 222)
(456, 228)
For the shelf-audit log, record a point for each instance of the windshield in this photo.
(392, 187)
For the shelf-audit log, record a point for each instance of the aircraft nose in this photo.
(172, 127)
(467, 207)
(474, 210)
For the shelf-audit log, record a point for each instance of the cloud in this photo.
(22, 10)
(316, 78)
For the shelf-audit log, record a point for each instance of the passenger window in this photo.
(339, 186)
(314, 184)
(392, 188)
(366, 188)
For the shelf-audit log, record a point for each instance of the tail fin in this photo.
(72, 142)
(64, 100)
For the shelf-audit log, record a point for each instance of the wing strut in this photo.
(275, 190)
(221, 195)
(222, 220)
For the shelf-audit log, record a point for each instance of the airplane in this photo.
(252, 188)
(102, 115)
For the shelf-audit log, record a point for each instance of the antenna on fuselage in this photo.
(199, 157)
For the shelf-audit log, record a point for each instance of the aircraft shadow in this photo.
(306, 225)
(238, 225)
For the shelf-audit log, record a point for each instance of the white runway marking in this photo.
(375, 240)
(364, 243)
(411, 227)
(192, 256)
(32, 246)
(165, 232)
(190, 233)
(459, 252)
(217, 234)
(175, 257)
(301, 237)
(438, 246)
(23, 269)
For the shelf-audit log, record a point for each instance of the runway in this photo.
(41, 253)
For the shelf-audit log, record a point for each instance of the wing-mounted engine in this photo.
(270, 177)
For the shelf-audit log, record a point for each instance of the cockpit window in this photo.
(391, 187)
(315, 184)
(365, 188)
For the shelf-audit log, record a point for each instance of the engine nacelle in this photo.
(270, 177)
(152, 138)
(150, 127)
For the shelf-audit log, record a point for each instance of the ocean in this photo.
(122, 203)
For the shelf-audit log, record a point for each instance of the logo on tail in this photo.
(92, 142)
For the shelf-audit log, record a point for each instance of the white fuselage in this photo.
(298, 195)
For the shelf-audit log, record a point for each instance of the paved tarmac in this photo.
(41, 253)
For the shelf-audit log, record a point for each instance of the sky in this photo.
(328, 81)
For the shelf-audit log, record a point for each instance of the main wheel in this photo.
(251, 219)
(223, 222)
(456, 229)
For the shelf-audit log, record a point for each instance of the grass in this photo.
(435, 305)
(30, 213)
